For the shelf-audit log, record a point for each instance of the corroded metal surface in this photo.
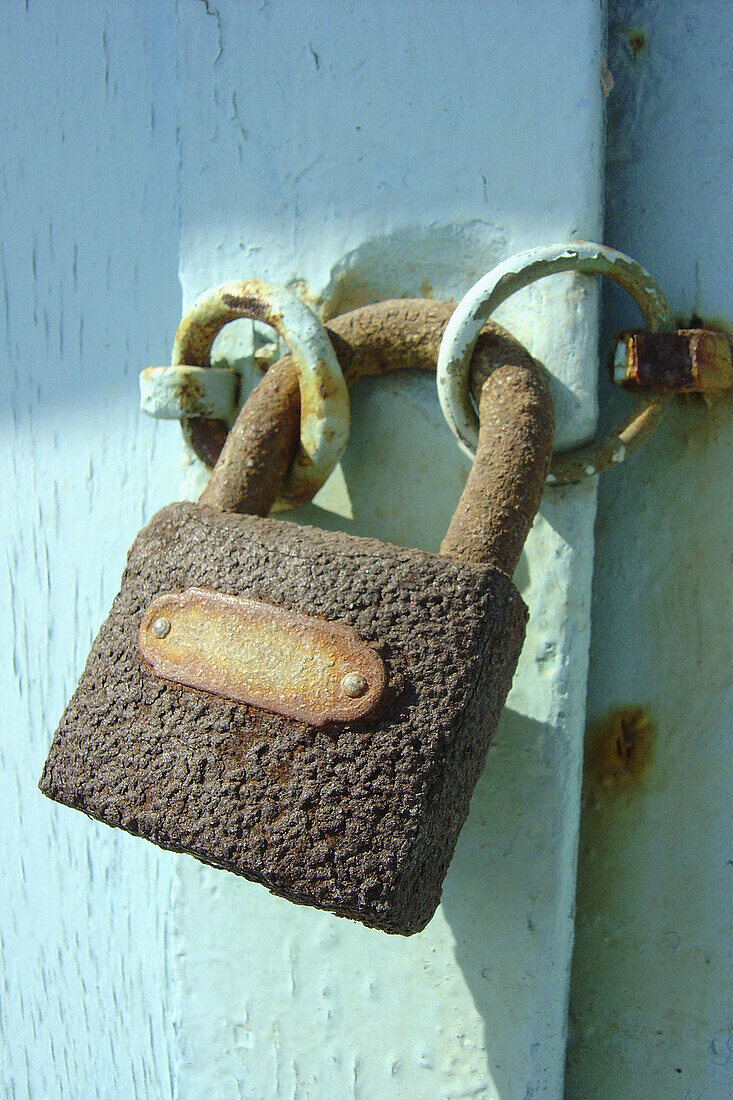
(393, 335)
(584, 258)
(324, 399)
(505, 485)
(359, 817)
(686, 361)
(252, 652)
(602, 454)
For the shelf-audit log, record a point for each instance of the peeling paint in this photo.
(324, 402)
(501, 283)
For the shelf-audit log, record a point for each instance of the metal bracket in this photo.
(686, 361)
(172, 393)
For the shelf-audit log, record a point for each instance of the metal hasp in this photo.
(474, 309)
(253, 652)
(686, 361)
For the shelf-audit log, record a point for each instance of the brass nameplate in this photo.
(257, 653)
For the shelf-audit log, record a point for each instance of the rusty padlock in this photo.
(306, 708)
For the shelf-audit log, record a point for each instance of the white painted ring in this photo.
(324, 397)
(485, 296)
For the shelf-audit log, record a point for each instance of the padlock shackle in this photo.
(505, 485)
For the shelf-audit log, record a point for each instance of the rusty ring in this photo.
(324, 425)
(472, 312)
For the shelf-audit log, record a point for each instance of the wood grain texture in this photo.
(88, 258)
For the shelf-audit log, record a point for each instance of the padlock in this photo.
(307, 708)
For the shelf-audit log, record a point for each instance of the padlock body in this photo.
(358, 817)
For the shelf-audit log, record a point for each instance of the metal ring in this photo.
(512, 275)
(324, 398)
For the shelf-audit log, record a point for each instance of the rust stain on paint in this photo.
(619, 748)
(637, 41)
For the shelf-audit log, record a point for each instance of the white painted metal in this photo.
(88, 255)
(652, 1006)
(324, 427)
(362, 152)
(165, 392)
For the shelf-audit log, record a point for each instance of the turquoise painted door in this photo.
(357, 153)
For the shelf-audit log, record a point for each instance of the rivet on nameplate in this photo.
(160, 628)
(354, 685)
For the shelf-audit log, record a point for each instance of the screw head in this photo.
(160, 628)
(354, 685)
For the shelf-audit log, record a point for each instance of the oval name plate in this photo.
(253, 652)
